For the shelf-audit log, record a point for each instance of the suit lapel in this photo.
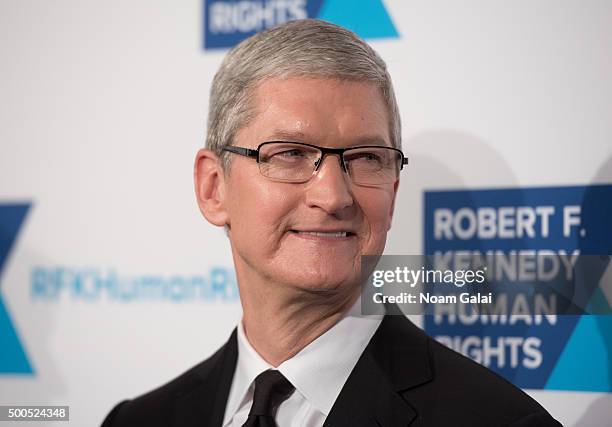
(396, 359)
(204, 403)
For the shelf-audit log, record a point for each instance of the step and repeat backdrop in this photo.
(111, 283)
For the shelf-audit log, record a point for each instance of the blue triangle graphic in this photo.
(13, 359)
(599, 303)
(369, 19)
(586, 361)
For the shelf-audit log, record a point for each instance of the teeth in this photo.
(320, 234)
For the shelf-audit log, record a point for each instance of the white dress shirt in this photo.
(318, 372)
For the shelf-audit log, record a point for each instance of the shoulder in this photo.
(158, 407)
(462, 375)
(467, 393)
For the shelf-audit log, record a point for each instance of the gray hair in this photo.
(307, 47)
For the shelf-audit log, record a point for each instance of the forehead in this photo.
(323, 111)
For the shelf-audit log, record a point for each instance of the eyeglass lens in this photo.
(291, 162)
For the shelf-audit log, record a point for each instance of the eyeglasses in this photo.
(297, 162)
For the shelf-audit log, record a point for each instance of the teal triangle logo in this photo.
(586, 361)
(13, 359)
(369, 19)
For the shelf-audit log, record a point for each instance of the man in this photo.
(302, 168)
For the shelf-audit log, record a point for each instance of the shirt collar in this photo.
(332, 356)
(249, 365)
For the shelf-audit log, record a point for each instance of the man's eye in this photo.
(293, 153)
(367, 157)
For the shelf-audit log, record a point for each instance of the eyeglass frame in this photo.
(254, 153)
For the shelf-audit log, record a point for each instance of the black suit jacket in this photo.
(403, 378)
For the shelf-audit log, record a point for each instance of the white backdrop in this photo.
(103, 109)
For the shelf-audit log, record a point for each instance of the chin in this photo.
(320, 281)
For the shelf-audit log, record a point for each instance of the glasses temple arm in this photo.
(247, 152)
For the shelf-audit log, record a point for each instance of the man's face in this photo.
(272, 224)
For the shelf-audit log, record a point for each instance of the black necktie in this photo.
(271, 388)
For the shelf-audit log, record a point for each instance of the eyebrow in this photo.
(297, 136)
(287, 135)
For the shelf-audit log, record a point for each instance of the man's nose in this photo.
(330, 188)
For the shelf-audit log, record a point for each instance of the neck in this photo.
(278, 328)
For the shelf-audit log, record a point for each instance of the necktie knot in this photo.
(271, 389)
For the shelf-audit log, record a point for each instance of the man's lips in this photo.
(325, 234)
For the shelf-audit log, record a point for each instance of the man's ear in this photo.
(209, 181)
(392, 208)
